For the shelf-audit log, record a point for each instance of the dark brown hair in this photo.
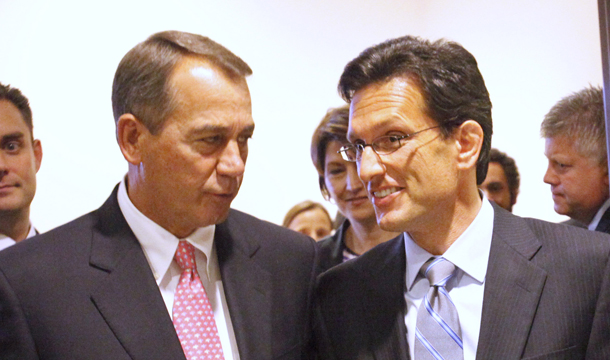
(448, 77)
(510, 170)
(22, 104)
(333, 127)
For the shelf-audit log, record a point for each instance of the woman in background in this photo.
(339, 182)
(309, 218)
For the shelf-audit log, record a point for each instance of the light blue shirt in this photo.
(470, 254)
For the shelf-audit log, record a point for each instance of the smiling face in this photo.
(187, 175)
(20, 159)
(414, 188)
(579, 184)
(345, 187)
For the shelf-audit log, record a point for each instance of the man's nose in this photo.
(369, 165)
(232, 161)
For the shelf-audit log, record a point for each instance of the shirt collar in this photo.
(470, 252)
(31, 233)
(160, 245)
(598, 216)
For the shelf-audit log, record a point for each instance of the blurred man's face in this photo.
(20, 159)
(579, 184)
(193, 168)
(415, 187)
(496, 187)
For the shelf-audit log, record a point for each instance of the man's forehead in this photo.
(561, 143)
(385, 104)
(11, 120)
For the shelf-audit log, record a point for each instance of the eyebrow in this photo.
(219, 129)
(380, 124)
(12, 136)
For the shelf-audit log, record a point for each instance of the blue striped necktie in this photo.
(438, 335)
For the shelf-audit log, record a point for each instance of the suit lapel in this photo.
(513, 287)
(125, 291)
(604, 223)
(245, 285)
(383, 300)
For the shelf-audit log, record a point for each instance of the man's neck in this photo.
(439, 234)
(15, 224)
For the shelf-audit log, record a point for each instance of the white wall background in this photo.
(62, 54)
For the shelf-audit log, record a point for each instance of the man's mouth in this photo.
(385, 192)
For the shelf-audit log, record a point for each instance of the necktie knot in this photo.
(185, 255)
(438, 271)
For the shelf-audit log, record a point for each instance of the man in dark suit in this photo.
(575, 145)
(108, 286)
(467, 279)
(20, 159)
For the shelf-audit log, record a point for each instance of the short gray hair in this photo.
(141, 82)
(580, 116)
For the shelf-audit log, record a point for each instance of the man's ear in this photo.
(37, 147)
(130, 133)
(469, 138)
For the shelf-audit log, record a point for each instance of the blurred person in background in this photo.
(309, 218)
(339, 182)
(501, 185)
(20, 159)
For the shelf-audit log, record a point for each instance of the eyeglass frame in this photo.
(361, 146)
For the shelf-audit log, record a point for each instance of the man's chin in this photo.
(216, 218)
(388, 223)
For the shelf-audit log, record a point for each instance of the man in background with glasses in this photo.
(467, 279)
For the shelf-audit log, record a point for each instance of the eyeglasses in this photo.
(383, 145)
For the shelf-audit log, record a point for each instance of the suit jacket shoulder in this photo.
(544, 287)
(87, 281)
(268, 274)
(359, 305)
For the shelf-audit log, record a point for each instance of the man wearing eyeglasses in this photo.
(467, 280)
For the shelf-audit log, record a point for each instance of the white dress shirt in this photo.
(470, 254)
(6, 241)
(598, 216)
(159, 246)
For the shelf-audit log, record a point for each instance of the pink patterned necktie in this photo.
(192, 313)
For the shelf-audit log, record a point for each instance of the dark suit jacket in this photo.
(547, 296)
(330, 249)
(604, 223)
(85, 291)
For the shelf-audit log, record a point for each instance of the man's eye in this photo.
(562, 166)
(12, 146)
(494, 187)
(212, 139)
(244, 139)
